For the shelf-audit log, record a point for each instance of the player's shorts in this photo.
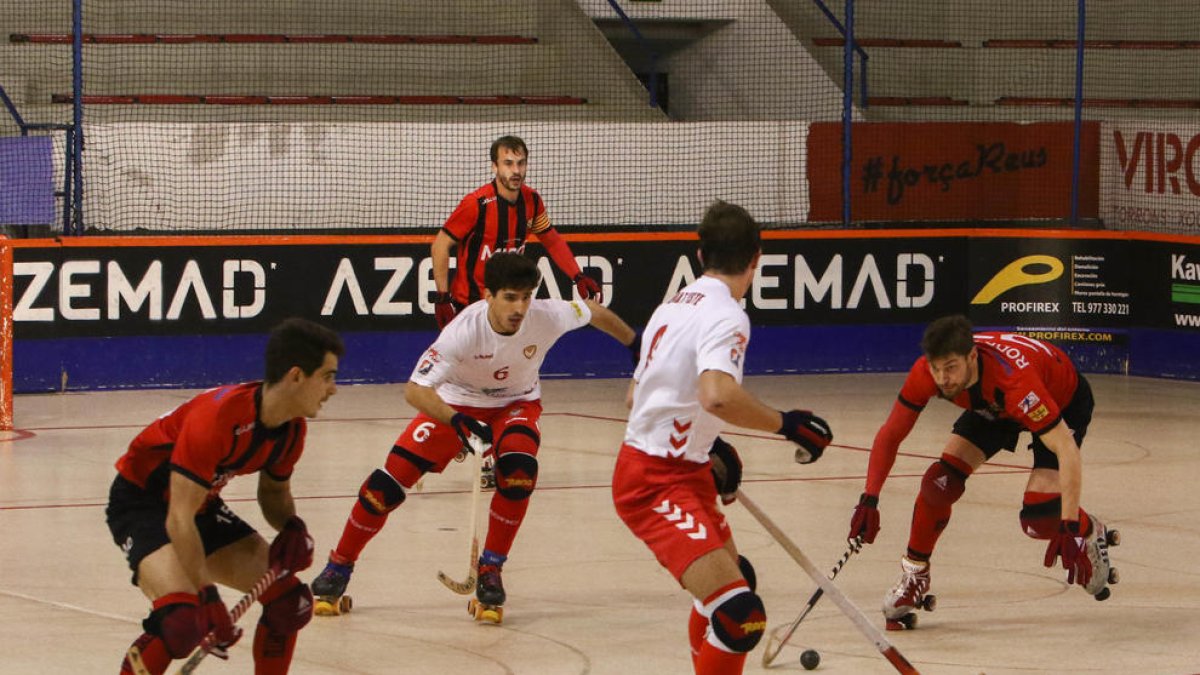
(427, 445)
(671, 505)
(992, 436)
(137, 520)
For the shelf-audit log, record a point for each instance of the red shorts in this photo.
(671, 505)
(427, 445)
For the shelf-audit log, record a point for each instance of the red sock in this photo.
(697, 629)
(154, 655)
(361, 528)
(928, 520)
(504, 519)
(272, 651)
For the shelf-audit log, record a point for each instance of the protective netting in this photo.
(307, 115)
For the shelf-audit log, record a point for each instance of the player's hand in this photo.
(588, 288)
(443, 309)
(635, 349)
(218, 622)
(865, 521)
(1071, 545)
(726, 469)
(468, 427)
(292, 549)
(808, 431)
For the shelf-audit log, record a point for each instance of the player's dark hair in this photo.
(512, 271)
(299, 342)
(729, 238)
(513, 143)
(948, 336)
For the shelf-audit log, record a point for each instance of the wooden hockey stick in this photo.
(478, 447)
(776, 642)
(236, 613)
(835, 594)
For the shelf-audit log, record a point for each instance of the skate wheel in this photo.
(928, 603)
(1113, 575)
(1103, 594)
(486, 613)
(329, 605)
(1113, 537)
(906, 622)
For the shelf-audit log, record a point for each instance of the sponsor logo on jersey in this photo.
(739, 348)
(530, 350)
(1039, 413)
(1031, 399)
(238, 431)
(425, 367)
(484, 356)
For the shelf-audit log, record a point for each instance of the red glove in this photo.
(292, 549)
(1072, 546)
(218, 622)
(865, 521)
(588, 288)
(443, 309)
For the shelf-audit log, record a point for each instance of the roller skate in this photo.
(1103, 573)
(910, 593)
(330, 587)
(489, 595)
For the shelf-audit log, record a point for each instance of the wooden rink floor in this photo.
(586, 597)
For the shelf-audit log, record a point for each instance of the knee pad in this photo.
(516, 463)
(381, 494)
(180, 626)
(288, 607)
(748, 572)
(739, 622)
(942, 484)
(1040, 520)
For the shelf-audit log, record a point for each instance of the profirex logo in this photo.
(1031, 269)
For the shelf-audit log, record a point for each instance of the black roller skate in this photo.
(910, 593)
(489, 595)
(330, 587)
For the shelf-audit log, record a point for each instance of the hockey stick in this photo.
(478, 447)
(775, 643)
(835, 594)
(236, 613)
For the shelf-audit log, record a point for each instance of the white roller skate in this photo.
(1103, 573)
(910, 593)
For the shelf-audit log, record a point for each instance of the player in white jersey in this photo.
(479, 378)
(686, 387)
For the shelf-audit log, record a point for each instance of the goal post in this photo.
(6, 334)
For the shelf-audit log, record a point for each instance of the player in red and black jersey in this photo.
(1007, 384)
(498, 216)
(166, 514)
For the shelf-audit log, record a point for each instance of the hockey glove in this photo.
(588, 288)
(218, 621)
(443, 309)
(726, 469)
(468, 429)
(1072, 546)
(808, 431)
(292, 549)
(865, 521)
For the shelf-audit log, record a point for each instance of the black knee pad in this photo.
(290, 610)
(748, 572)
(942, 484)
(516, 475)
(380, 493)
(739, 622)
(180, 626)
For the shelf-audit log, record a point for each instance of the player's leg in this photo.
(425, 446)
(174, 626)
(517, 439)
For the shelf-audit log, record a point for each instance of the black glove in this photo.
(726, 469)
(808, 431)
(466, 427)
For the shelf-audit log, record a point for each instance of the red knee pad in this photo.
(944, 482)
(1040, 514)
(287, 606)
(177, 620)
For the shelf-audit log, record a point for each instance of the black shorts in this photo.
(137, 520)
(992, 436)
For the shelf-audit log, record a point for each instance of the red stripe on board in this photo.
(268, 38)
(1155, 103)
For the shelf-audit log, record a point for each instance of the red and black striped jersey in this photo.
(212, 438)
(484, 223)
